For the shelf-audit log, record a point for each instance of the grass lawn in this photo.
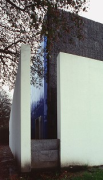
(97, 174)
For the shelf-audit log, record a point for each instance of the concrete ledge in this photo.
(45, 153)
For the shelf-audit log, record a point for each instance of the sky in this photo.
(95, 12)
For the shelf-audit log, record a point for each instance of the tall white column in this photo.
(20, 121)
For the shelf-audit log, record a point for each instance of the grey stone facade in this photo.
(90, 45)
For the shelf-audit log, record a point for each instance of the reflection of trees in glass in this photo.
(37, 110)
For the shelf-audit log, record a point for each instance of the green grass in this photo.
(97, 174)
(89, 174)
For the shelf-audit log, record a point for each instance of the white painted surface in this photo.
(19, 125)
(80, 110)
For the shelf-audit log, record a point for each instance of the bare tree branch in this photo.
(14, 5)
(23, 21)
(14, 44)
(7, 51)
(19, 8)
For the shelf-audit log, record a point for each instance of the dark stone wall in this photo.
(89, 43)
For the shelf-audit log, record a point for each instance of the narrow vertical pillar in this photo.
(25, 109)
(19, 125)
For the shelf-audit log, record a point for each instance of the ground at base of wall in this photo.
(9, 170)
(7, 162)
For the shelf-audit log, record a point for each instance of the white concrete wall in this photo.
(20, 122)
(80, 110)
